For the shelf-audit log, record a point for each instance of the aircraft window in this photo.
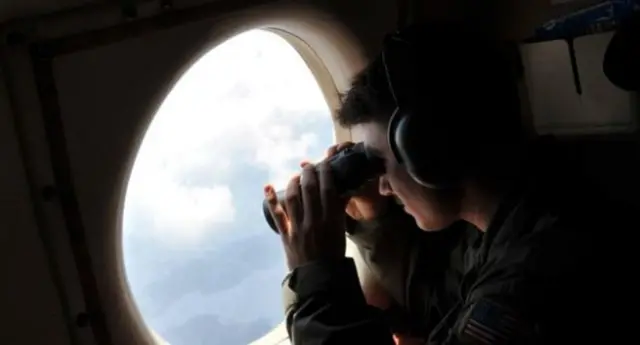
(202, 264)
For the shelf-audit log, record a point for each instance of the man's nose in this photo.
(383, 186)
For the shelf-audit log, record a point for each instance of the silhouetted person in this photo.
(440, 105)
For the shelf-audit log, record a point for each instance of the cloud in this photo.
(196, 245)
(242, 304)
(248, 102)
(218, 332)
(179, 212)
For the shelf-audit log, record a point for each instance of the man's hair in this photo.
(467, 82)
(459, 72)
(369, 99)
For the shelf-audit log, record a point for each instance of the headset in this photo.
(434, 136)
(436, 149)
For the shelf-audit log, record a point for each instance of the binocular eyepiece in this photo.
(350, 168)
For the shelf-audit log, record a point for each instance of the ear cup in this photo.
(447, 117)
(426, 149)
(396, 117)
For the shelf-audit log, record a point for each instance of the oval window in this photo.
(201, 262)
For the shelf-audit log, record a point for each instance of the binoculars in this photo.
(351, 168)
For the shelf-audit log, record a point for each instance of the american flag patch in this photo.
(490, 323)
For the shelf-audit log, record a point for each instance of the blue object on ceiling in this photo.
(602, 17)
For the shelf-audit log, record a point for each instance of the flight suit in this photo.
(419, 270)
(542, 273)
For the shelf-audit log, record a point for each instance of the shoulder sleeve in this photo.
(499, 309)
(533, 288)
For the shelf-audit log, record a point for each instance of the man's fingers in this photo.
(312, 205)
(332, 150)
(304, 163)
(328, 194)
(344, 145)
(277, 212)
(293, 202)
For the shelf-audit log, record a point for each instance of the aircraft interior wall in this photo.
(596, 121)
(79, 146)
(29, 296)
(69, 134)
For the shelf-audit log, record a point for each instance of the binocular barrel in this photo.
(351, 168)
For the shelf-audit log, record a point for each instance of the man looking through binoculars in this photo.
(506, 254)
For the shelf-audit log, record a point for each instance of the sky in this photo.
(201, 262)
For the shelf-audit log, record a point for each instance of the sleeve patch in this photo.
(489, 323)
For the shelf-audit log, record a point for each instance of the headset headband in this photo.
(396, 52)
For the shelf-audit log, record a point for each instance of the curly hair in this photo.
(458, 71)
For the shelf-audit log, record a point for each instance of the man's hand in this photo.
(311, 225)
(367, 203)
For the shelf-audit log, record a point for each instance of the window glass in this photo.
(201, 262)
